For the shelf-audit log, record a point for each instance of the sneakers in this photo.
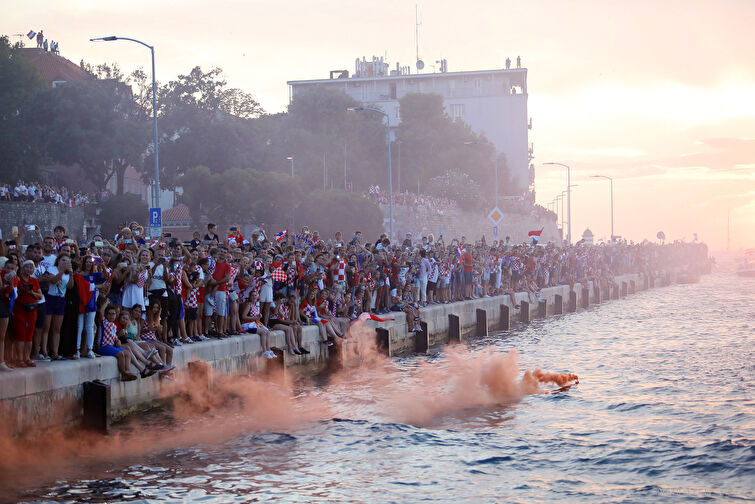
(176, 342)
(75, 356)
(4, 367)
(90, 354)
(269, 354)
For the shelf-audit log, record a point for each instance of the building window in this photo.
(393, 90)
(457, 111)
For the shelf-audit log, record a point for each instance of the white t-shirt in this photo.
(158, 280)
(59, 288)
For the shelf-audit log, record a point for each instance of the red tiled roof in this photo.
(177, 213)
(52, 67)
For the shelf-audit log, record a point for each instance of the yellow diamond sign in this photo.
(495, 216)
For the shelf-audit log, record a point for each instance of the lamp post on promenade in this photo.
(390, 169)
(610, 180)
(291, 158)
(156, 190)
(568, 197)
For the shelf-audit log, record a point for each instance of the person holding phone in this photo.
(25, 313)
(60, 278)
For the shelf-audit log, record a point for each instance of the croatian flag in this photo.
(535, 235)
(31, 34)
(279, 237)
(459, 253)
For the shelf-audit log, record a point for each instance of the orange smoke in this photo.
(238, 404)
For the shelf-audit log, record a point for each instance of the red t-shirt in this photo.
(25, 296)
(222, 269)
(468, 259)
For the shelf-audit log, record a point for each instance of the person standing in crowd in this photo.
(25, 313)
(8, 285)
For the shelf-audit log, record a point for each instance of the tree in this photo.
(20, 152)
(120, 209)
(433, 145)
(89, 125)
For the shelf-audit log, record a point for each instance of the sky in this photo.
(658, 95)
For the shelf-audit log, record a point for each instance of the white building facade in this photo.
(491, 102)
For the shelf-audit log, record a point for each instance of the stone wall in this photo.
(44, 215)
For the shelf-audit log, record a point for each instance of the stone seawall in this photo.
(44, 215)
(52, 394)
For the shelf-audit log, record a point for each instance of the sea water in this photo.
(663, 412)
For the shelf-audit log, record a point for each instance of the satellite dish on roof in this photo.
(420, 64)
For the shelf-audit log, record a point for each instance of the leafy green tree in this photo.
(459, 186)
(120, 209)
(89, 125)
(20, 151)
(433, 145)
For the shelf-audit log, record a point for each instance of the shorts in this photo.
(266, 295)
(431, 286)
(221, 303)
(181, 309)
(209, 305)
(56, 305)
(467, 278)
(41, 315)
(233, 296)
(191, 314)
(109, 350)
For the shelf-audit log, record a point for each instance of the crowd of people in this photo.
(433, 204)
(136, 298)
(31, 192)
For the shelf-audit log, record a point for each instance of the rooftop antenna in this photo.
(420, 63)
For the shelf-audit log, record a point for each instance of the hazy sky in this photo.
(659, 95)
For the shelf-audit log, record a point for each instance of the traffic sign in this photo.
(155, 217)
(495, 216)
(155, 222)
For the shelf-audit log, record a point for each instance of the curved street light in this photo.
(156, 190)
(390, 170)
(610, 180)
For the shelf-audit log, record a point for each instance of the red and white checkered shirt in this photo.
(279, 275)
(175, 274)
(340, 273)
(109, 333)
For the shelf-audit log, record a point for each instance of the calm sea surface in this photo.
(663, 413)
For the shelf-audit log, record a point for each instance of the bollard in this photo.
(624, 289)
(597, 293)
(524, 312)
(96, 406)
(614, 292)
(572, 301)
(422, 338)
(504, 323)
(632, 287)
(558, 304)
(585, 296)
(454, 329)
(652, 280)
(482, 322)
(668, 278)
(645, 281)
(542, 309)
(383, 341)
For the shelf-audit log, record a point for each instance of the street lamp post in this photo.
(390, 168)
(610, 180)
(156, 190)
(291, 158)
(568, 198)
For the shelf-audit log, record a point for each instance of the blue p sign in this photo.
(155, 217)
